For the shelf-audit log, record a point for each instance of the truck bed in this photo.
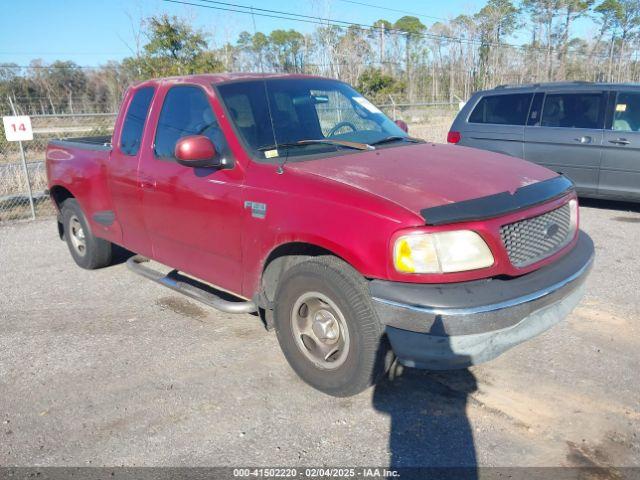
(78, 165)
(99, 142)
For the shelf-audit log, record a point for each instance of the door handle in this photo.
(620, 141)
(584, 139)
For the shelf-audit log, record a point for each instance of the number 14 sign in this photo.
(17, 128)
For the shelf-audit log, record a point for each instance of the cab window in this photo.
(186, 111)
(626, 113)
(133, 126)
(336, 114)
(272, 115)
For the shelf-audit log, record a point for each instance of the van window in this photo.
(535, 112)
(131, 135)
(186, 111)
(626, 113)
(502, 109)
(572, 110)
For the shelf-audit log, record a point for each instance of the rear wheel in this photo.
(328, 329)
(87, 250)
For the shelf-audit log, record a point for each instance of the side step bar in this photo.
(189, 287)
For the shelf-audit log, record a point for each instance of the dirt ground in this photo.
(106, 368)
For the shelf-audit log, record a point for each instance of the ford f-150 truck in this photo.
(296, 198)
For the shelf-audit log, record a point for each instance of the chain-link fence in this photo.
(429, 121)
(15, 203)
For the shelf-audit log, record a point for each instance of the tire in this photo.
(88, 251)
(322, 305)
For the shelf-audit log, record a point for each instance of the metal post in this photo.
(24, 168)
(460, 101)
(26, 175)
(393, 102)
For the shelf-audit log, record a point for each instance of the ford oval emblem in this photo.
(552, 229)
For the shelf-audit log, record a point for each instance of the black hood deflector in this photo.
(499, 203)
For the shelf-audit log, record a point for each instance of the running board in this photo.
(189, 287)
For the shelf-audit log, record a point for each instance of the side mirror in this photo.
(197, 151)
(403, 125)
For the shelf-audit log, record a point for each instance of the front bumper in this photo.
(455, 325)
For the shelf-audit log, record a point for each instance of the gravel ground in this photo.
(106, 368)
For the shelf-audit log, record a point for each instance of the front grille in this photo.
(533, 239)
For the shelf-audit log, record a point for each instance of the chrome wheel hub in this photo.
(325, 326)
(76, 235)
(320, 330)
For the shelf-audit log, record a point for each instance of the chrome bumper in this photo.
(456, 325)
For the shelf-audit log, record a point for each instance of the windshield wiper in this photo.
(395, 138)
(328, 141)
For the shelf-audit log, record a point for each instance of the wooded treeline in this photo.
(404, 58)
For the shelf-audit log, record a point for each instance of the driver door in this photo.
(192, 215)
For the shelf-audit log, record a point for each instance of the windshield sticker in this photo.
(363, 102)
(271, 153)
(621, 107)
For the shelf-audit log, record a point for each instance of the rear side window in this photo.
(502, 109)
(626, 113)
(572, 110)
(186, 111)
(134, 121)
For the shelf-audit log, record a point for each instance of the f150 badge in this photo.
(258, 210)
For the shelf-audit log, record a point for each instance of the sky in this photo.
(92, 32)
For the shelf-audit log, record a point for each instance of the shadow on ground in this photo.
(429, 424)
(429, 427)
(120, 255)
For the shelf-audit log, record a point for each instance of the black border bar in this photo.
(499, 203)
(471, 472)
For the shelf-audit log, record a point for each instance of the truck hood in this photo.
(427, 175)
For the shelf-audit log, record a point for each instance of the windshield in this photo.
(283, 112)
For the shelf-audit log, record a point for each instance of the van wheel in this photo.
(87, 250)
(327, 328)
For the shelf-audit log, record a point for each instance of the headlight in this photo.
(441, 252)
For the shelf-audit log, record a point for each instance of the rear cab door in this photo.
(496, 122)
(620, 169)
(123, 168)
(564, 133)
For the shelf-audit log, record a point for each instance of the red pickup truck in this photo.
(295, 197)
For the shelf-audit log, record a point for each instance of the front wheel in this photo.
(87, 250)
(328, 329)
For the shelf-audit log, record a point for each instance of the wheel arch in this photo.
(283, 257)
(58, 195)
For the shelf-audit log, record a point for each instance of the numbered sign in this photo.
(17, 128)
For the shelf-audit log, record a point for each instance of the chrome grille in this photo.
(533, 239)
